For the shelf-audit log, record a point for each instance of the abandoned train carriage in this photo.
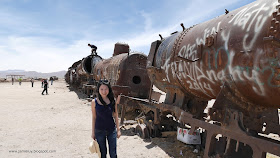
(235, 59)
(127, 74)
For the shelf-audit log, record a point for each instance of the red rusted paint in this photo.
(126, 73)
(239, 54)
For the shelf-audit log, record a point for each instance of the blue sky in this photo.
(50, 35)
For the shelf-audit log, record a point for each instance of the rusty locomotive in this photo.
(234, 58)
(126, 72)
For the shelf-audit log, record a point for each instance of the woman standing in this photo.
(104, 108)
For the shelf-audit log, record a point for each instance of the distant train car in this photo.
(126, 72)
(71, 75)
(80, 73)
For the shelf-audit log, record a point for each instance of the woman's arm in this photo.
(93, 118)
(117, 117)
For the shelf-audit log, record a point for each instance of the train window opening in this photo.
(136, 79)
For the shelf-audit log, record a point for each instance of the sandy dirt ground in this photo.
(59, 125)
(55, 125)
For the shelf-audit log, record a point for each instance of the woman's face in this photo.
(103, 90)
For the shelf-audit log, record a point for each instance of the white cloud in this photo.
(51, 49)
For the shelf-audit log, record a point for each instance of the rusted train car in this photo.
(125, 70)
(235, 59)
(80, 73)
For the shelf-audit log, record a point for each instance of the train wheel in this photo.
(142, 131)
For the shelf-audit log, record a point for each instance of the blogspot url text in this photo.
(32, 151)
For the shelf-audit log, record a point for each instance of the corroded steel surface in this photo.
(235, 140)
(241, 47)
(120, 48)
(126, 73)
(72, 74)
(87, 63)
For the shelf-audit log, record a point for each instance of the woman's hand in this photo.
(119, 134)
(93, 135)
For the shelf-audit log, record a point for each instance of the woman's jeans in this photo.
(111, 136)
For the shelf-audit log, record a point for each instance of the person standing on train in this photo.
(105, 122)
(93, 49)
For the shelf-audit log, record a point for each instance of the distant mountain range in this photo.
(34, 74)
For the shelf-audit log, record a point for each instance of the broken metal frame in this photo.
(233, 128)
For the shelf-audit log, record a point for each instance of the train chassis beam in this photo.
(233, 130)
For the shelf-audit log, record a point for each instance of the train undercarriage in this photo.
(227, 131)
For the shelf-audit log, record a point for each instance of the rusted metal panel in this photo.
(121, 48)
(153, 50)
(87, 63)
(241, 45)
(235, 59)
(127, 74)
(231, 129)
(109, 68)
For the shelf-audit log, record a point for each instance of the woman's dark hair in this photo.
(110, 94)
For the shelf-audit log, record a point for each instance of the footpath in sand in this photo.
(55, 125)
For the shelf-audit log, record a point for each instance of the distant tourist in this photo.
(45, 87)
(51, 79)
(20, 80)
(13, 80)
(93, 49)
(42, 83)
(32, 81)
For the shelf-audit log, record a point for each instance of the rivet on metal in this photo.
(273, 21)
(274, 14)
(276, 23)
(278, 16)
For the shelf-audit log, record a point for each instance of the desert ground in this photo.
(59, 125)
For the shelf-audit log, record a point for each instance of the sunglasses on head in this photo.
(104, 81)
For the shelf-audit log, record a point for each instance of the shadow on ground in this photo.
(79, 93)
